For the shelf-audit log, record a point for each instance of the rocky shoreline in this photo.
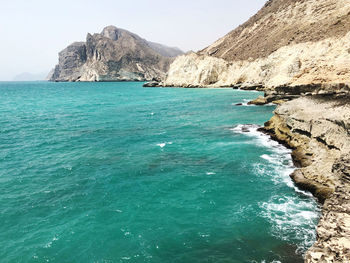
(317, 128)
(297, 52)
(314, 121)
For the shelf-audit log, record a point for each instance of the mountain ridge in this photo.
(286, 43)
(113, 55)
(280, 23)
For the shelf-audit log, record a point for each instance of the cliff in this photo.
(113, 55)
(288, 42)
(317, 128)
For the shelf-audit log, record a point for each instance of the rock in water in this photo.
(113, 55)
(151, 84)
(259, 101)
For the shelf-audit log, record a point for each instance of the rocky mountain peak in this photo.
(111, 32)
(113, 55)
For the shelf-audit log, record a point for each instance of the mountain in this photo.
(288, 42)
(26, 76)
(164, 50)
(283, 23)
(113, 55)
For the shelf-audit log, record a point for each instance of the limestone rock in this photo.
(287, 43)
(323, 62)
(278, 102)
(318, 129)
(259, 101)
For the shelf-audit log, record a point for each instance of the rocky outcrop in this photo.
(281, 94)
(288, 42)
(113, 55)
(151, 84)
(317, 128)
(327, 61)
(71, 60)
(259, 101)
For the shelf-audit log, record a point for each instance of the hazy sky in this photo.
(34, 31)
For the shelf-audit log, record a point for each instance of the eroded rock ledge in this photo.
(283, 93)
(317, 128)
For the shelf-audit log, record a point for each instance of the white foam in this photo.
(271, 159)
(292, 218)
(245, 128)
(162, 145)
(210, 173)
(244, 103)
(261, 139)
(49, 244)
(280, 167)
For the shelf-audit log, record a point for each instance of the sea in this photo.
(113, 172)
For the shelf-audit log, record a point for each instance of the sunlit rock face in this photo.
(288, 42)
(113, 55)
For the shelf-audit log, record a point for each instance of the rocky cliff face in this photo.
(114, 54)
(283, 23)
(288, 42)
(318, 129)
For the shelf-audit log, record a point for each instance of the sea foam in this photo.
(292, 216)
(162, 145)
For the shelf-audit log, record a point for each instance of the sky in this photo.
(34, 31)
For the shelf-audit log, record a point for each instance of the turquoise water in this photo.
(113, 172)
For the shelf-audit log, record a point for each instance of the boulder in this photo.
(259, 101)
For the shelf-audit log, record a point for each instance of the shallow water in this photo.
(113, 172)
